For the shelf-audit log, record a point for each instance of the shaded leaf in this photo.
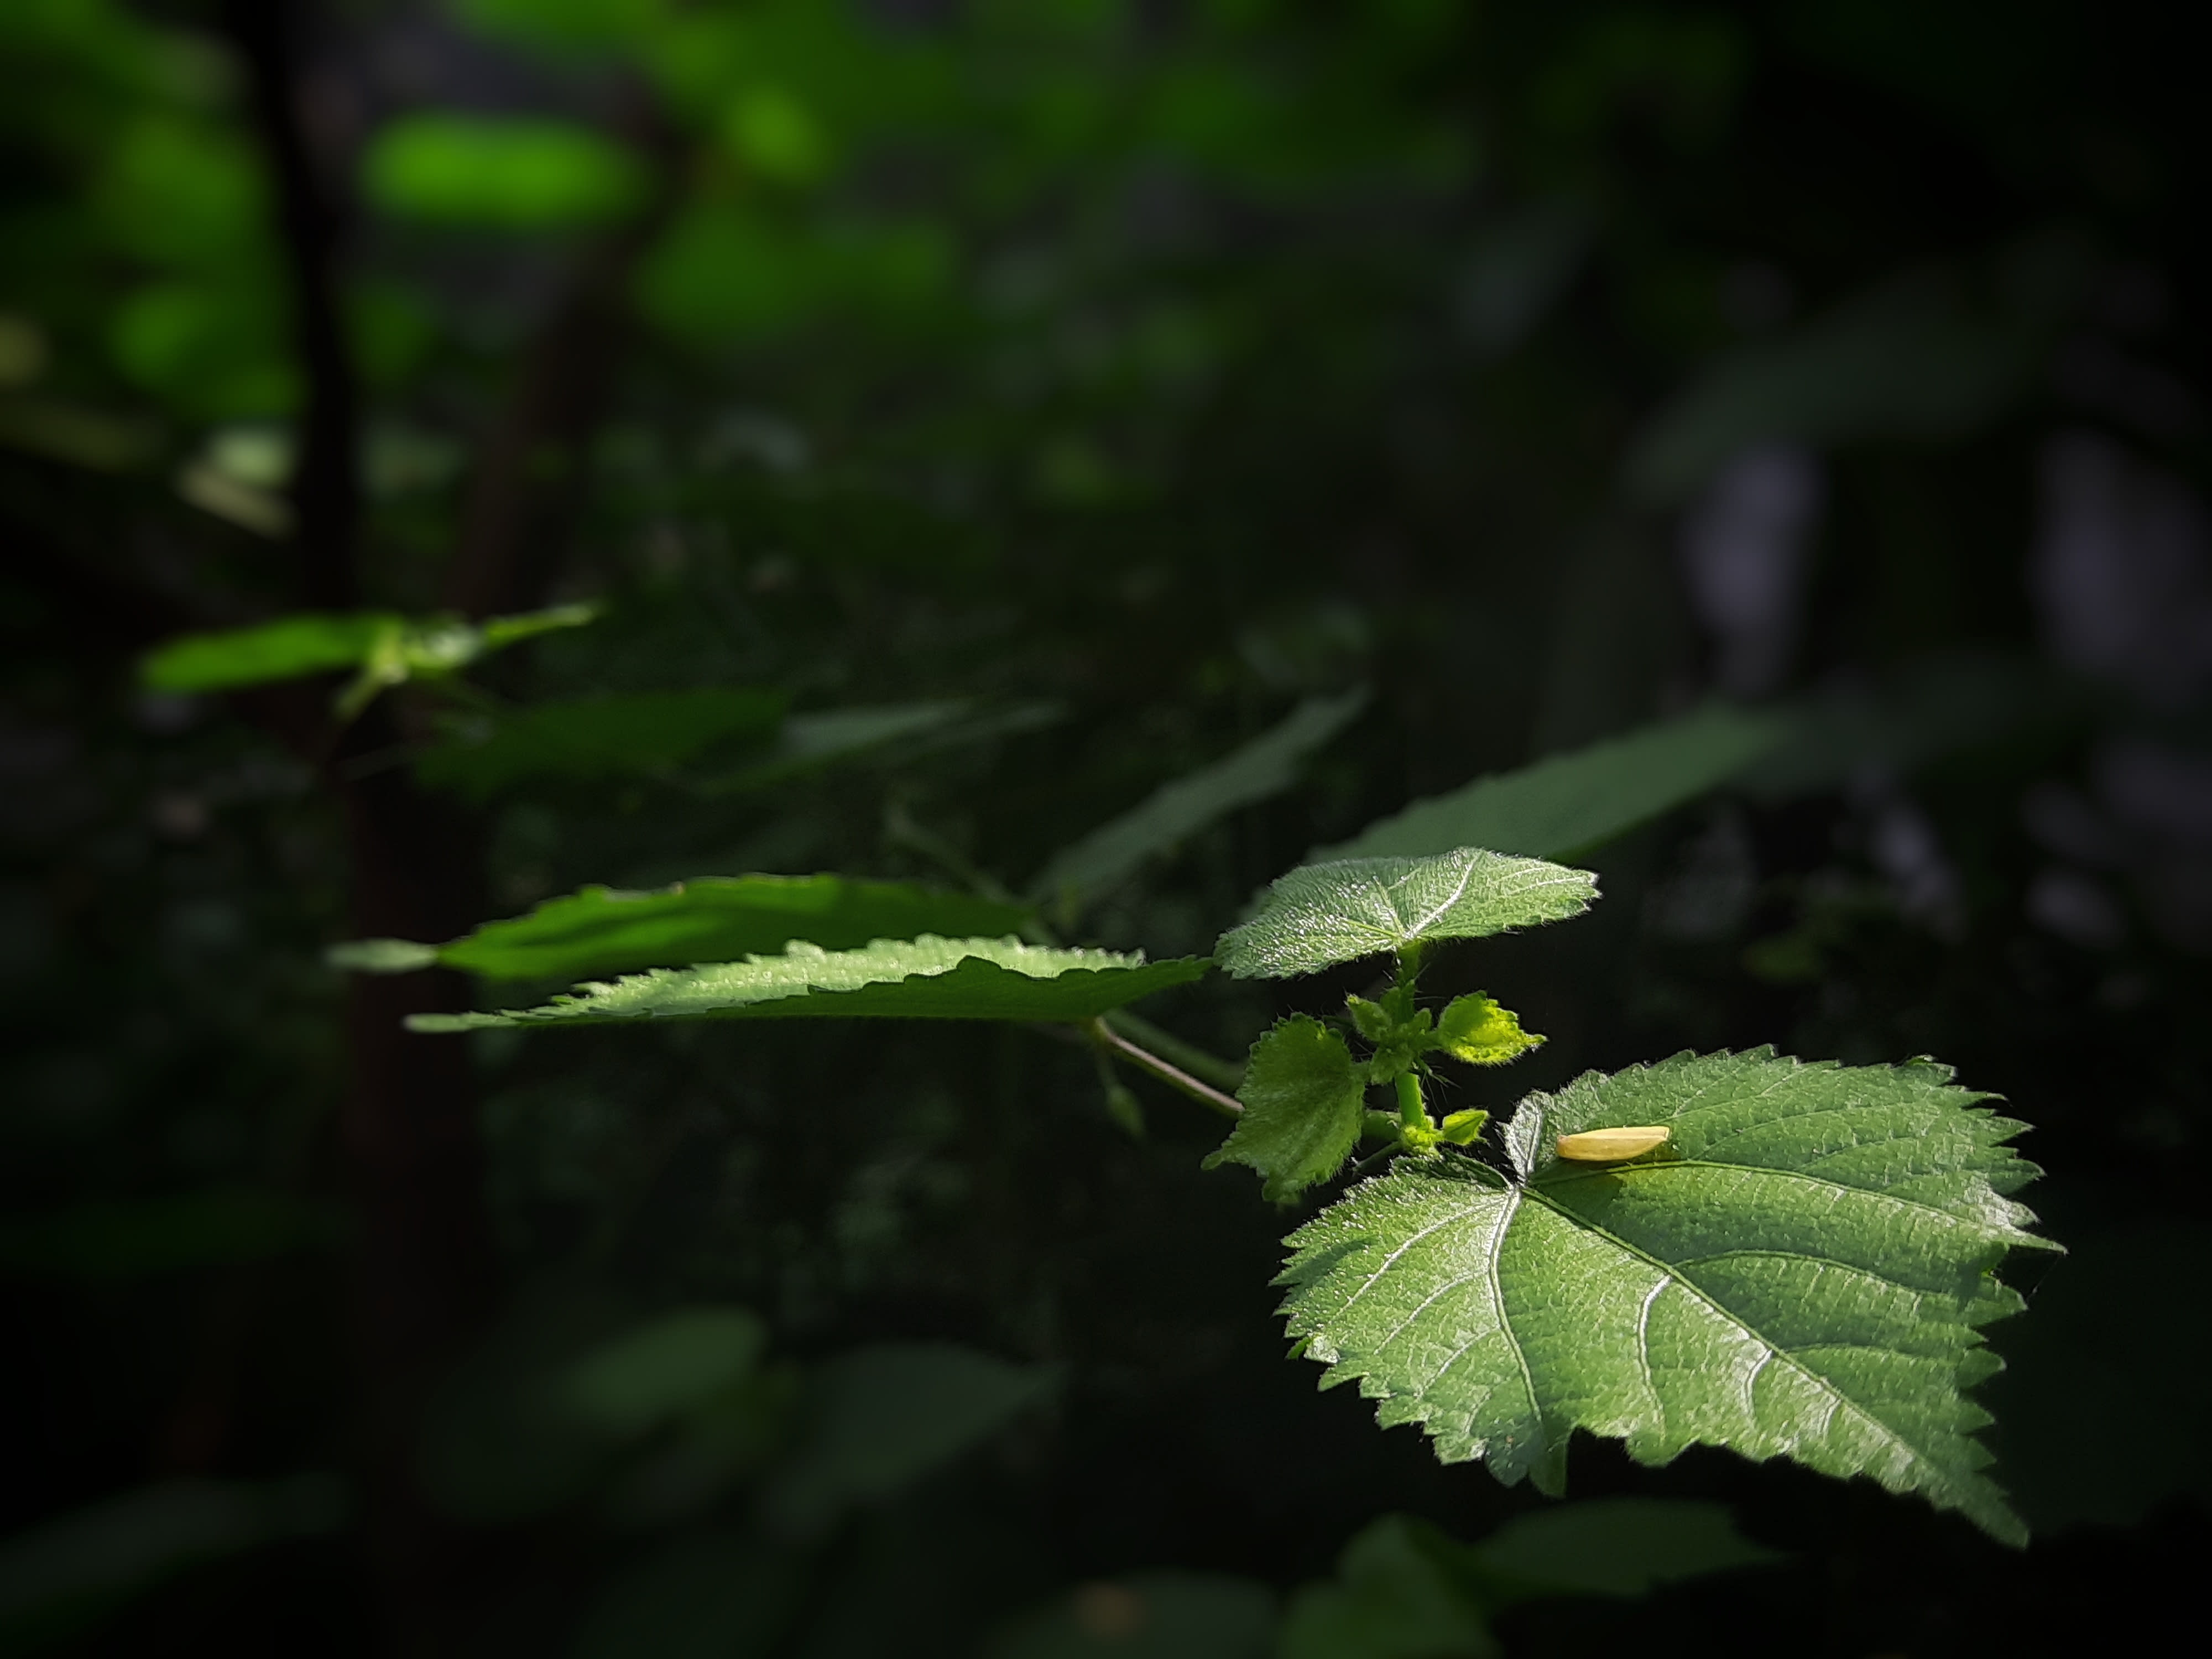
(1612, 1546)
(639, 734)
(714, 1594)
(1565, 804)
(885, 1416)
(1803, 1274)
(669, 1366)
(385, 648)
(1403, 1590)
(1264, 767)
(1148, 1615)
(603, 930)
(927, 978)
(1302, 1094)
(217, 1226)
(1324, 914)
(503, 174)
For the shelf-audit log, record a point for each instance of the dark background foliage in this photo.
(1121, 373)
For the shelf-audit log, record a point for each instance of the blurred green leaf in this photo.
(499, 174)
(671, 1365)
(1322, 915)
(1565, 804)
(1266, 766)
(882, 1418)
(1148, 1615)
(925, 978)
(1612, 1546)
(386, 647)
(599, 930)
(1403, 1590)
(639, 734)
(714, 1594)
(73, 1567)
(217, 1227)
(1302, 1095)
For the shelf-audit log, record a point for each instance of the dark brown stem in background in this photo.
(326, 482)
(424, 1265)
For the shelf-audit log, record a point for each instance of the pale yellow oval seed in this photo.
(1612, 1145)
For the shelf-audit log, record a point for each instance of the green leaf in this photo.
(285, 649)
(1324, 914)
(1403, 1590)
(886, 1416)
(384, 647)
(808, 742)
(639, 734)
(1147, 1615)
(1302, 1095)
(1803, 1273)
(674, 1363)
(1171, 814)
(711, 1593)
(499, 174)
(1565, 804)
(925, 978)
(601, 930)
(1612, 1546)
(1476, 1031)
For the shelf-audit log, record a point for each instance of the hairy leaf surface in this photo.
(925, 978)
(1565, 804)
(1324, 914)
(1264, 767)
(1803, 1273)
(602, 930)
(1302, 1095)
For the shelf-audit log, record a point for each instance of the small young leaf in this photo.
(1565, 804)
(925, 978)
(1324, 914)
(1302, 1095)
(1264, 767)
(1807, 1279)
(1476, 1031)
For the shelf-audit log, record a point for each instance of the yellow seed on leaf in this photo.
(1612, 1145)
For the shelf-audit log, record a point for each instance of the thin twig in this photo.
(1221, 1073)
(1144, 1060)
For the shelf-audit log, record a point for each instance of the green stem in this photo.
(1221, 1073)
(1180, 1081)
(1413, 1112)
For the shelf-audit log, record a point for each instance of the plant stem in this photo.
(1413, 1111)
(1144, 1060)
(1221, 1073)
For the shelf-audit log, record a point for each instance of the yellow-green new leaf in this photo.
(1802, 1273)
(1476, 1031)
(1325, 914)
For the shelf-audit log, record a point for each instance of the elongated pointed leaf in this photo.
(1302, 1095)
(384, 647)
(638, 735)
(1324, 914)
(1565, 804)
(925, 978)
(601, 930)
(1803, 1272)
(1264, 767)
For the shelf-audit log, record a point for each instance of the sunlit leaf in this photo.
(601, 930)
(1302, 1095)
(1324, 914)
(925, 978)
(1264, 767)
(1803, 1272)
(1565, 804)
